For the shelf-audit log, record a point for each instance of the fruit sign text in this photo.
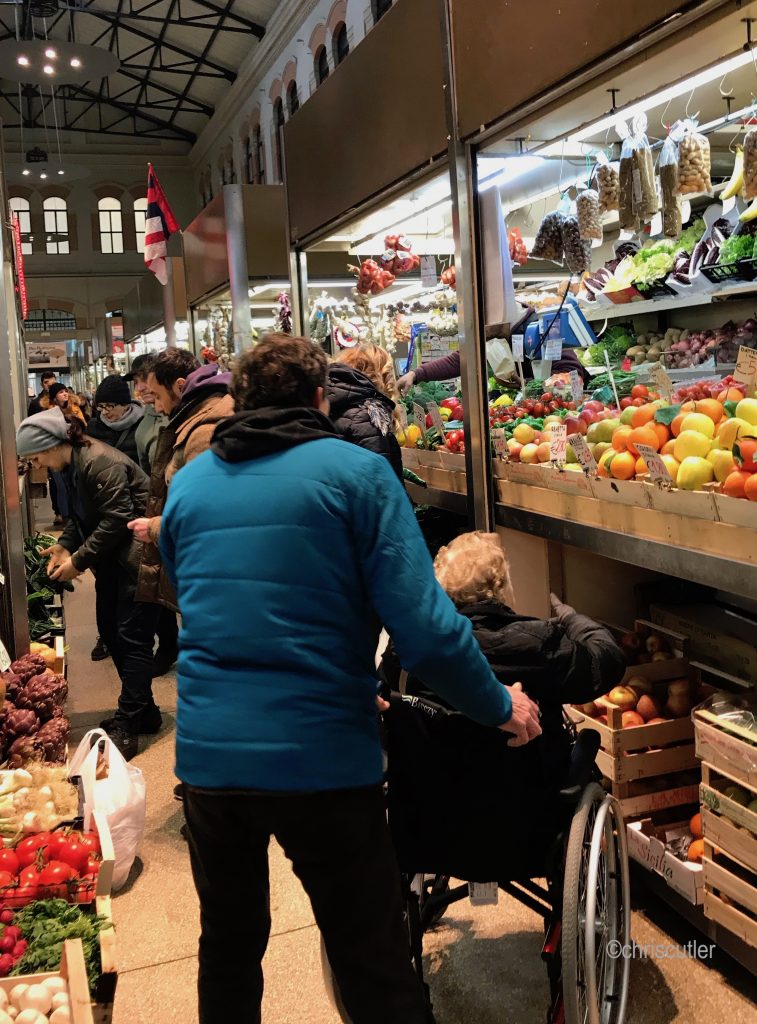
(586, 460)
(436, 417)
(500, 444)
(658, 471)
(419, 416)
(661, 380)
(558, 442)
(746, 368)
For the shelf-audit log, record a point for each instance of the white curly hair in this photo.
(473, 567)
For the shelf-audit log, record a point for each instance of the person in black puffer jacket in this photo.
(462, 802)
(117, 416)
(361, 388)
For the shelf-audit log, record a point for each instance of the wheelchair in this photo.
(574, 874)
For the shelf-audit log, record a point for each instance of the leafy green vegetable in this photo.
(425, 392)
(691, 236)
(616, 341)
(736, 247)
(46, 924)
(624, 381)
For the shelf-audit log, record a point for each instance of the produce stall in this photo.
(618, 441)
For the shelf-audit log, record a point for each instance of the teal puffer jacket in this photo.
(285, 565)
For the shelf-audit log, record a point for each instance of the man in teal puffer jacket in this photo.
(289, 548)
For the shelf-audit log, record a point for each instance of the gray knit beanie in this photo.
(40, 432)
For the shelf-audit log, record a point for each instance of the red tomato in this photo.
(22, 895)
(54, 877)
(639, 391)
(9, 861)
(29, 875)
(26, 851)
(57, 839)
(73, 852)
(85, 889)
(6, 878)
(92, 867)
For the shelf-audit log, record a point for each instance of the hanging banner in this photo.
(20, 277)
(46, 355)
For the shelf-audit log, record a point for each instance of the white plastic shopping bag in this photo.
(121, 797)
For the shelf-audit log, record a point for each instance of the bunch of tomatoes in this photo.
(49, 865)
(550, 403)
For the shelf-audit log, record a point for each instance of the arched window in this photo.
(341, 44)
(321, 62)
(111, 225)
(253, 149)
(140, 216)
(278, 124)
(20, 207)
(56, 226)
(293, 98)
(379, 8)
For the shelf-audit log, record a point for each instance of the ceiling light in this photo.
(26, 171)
(51, 53)
(49, 69)
(75, 62)
(510, 168)
(61, 172)
(23, 61)
(43, 175)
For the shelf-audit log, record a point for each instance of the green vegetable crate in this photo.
(73, 971)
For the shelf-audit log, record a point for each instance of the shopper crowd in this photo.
(236, 501)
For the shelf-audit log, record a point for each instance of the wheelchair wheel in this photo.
(596, 919)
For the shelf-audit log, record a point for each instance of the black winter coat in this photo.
(461, 801)
(106, 491)
(361, 414)
(124, 440)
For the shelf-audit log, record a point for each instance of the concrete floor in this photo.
(483, 963)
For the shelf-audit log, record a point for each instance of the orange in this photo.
(675, 426)
(689, 406)
(605, 459)
(696, 851)
(735, 483)
(643, 415)
(662, 432)
(750, 487)
(730, 395)
(748, 453)
(643, 435)
(620, 438)
(667, 448)
(695, 826)
(641, 466)
(712, 408)
(623, 466)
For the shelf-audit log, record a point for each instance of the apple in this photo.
(514, 448)
(602, 719)
(639, 685)
(679, 688)
(631, 719)
(622, 697)
(574, 425)
(648, 707)
(588, 416)
(529, 453)
(679, 705)
(657, 721)
(594, 405)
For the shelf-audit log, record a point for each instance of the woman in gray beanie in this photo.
(106, 490)
(117, 416)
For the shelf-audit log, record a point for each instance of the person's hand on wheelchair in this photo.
(524, 720)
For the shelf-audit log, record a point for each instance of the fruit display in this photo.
(643, 702)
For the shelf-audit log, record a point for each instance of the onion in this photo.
(55, 985)
(36, 997)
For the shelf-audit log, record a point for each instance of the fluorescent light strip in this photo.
(710, 74)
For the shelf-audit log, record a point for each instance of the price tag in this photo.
(402, 416)
(553, 349)
(612, 380)
(500, 444)
(655, 225)
(5, 661)
(483, 893)
(728, 205)
(657, 469)
(516, 344)
(746, 367)
(586, 460)
(558, 443)
(661, 380)
(576, 386)
(436, 416)
(429, 277)
(419, 415)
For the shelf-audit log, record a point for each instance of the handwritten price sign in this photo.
(558, 444)
(657, 469)
(661, 380)
(436, 416)
(586, 460)
(419, 415)
(746, 368)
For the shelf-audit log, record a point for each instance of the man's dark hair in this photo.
(76, 432)
(281, 371)
(141, 366)
(48, 375)
(172, 365)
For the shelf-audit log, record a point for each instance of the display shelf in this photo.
(645, 537)
(597, 313)
(450, 501)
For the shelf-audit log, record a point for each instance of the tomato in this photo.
(72, 852)
(29, 875)
(9, 861)
(54, 877)
(92, 867)
(538, 409)
(85, 889)
(27, 849)
(639, 391)
(547, 396)
(91, 841)
(22, 895)
(6, 878)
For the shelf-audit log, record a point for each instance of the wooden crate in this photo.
(730, 895)
(105, 989)
(726, 748)
(73, 970)
(646, 845)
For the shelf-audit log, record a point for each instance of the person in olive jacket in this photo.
(106, 489)
(361, 390)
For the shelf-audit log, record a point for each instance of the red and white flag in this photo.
(160, 224)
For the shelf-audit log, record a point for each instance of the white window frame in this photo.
(55, 212)
(110, 222)
(140, 218)
(21, 208)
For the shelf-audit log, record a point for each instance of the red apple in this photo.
(575, 425)
(631, 719)
(657, 721)
(515, 448)
(622, 697)
(648, 708)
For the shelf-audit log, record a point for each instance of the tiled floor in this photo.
(483, 963)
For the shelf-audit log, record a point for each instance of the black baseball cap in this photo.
(140, 366)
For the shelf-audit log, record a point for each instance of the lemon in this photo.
(690, 443)
(699, 422)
